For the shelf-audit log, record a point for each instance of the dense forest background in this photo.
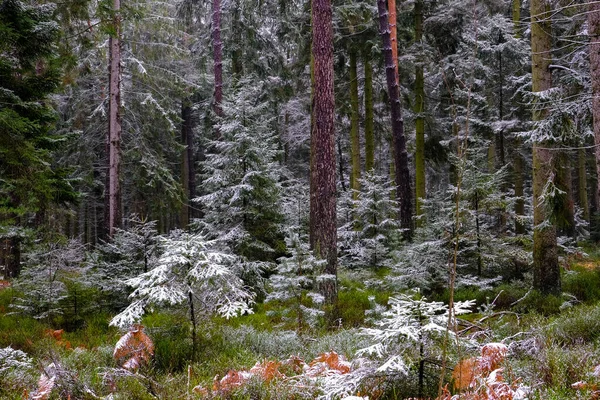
(348, 175)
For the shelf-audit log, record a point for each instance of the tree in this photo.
(29, 73)
(113, 141)
(296, 283)
(546, 270)
(354, 126)
(594, 32)
(369, 113)
(241, 177)
(323, 232)
(188, 271)
(402, 175)
(217, 57)
(419, 108)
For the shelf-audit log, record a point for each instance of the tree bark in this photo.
(369, 114)
(516, 17)
(582, 184)
(354, 128)
(518, 169)
(188, 172)
(546, 271)
(113, 218)
(402, 176)
(10, 256)
(594, 32)
(419, 108)
(323, 234)
(391, 4)
(217, 59)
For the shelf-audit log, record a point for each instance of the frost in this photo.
(11, 361)
(410, 322)
(187, 268)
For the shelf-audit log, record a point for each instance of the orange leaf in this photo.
(134, 348)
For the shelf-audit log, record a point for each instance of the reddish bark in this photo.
(403, 191)
(594, 32)
(323, 235)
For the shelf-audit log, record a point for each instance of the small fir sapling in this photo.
(242, 199)
(50, 280)
(371, 230)
(189, 272)
(131, 251)
(295, 284)
(407, 333)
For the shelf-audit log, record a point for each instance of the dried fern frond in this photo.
(134, 349)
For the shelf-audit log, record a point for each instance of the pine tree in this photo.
(296, 283)
(402, 175)
(546, 271)
(29, 73)
(113, 140)
(242, 199)
(323, 238)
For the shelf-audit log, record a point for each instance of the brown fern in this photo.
(134, 349)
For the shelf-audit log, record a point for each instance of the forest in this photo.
(300, 199)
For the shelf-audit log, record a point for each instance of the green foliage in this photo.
(579, 325)
(20, 332)
(172, 343)
(584, 284)
(29, 72)
(535, 301)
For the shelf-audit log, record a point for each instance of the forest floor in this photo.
(553, 350)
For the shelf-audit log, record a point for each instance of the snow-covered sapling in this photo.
(189, 271)
(405, 334)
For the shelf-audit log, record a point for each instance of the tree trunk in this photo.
(369, 114)
(113, 194)
(419, 108)
(566, 213)
(188, 172)
(546, 271)
(516, 17)
(594, 32)
(354, 129)
(217, 59)
(323, 234)
(518, 169)
(402, 176)
(10, 256)
(391, 4)
(582, 184)
(193, 321)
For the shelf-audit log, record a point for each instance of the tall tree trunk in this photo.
(188, 172)
(566, 214)
(546, 271)
(113, 145)
(402, 176)
(217, 59)
(369, 114)
(354, 128)
(10, 256)
(518, 162)
(419, 108)
(516, 17)
(323, 234)
(582, 184)
(392, 20)
(594, 32)
(237, 66)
